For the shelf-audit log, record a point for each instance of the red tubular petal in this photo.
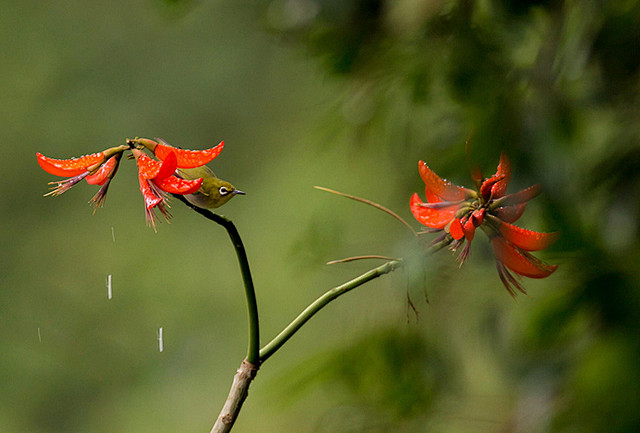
(101, 176)
(69, 167)
(455, 229)
(519, 262)
(434, 218)
(438, 189)
(150, 199)
(168, 167)
(504, 169)
(189, 158)
(527, 240)
(176, 185)
(510, 214)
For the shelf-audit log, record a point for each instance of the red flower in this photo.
(457, 212)
(157, 178)
(97, 169)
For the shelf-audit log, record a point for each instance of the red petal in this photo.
(525, 265)
(477, 217)
(434, 218)
(152, 169)
(521, 196)
(176, 185)
(510, 214)
(101, 176)
(168, 167)
(476, 175)
(527, 240)
(504, 169)
(438, 189)
(455, 229)
(150, 199)
(189, 158)
(69, 167)
(486, 189)
(469, 229)
(147, 167)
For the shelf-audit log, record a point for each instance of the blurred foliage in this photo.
(348, 94)
(555, 84)
(395, 377)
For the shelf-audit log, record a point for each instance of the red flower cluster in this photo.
(157, 177)
(458, 211)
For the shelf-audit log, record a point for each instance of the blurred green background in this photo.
(347, 94)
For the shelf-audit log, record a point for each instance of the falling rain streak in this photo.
(109, 286)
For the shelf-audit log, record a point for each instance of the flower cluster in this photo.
(157, 177)
(457, 212)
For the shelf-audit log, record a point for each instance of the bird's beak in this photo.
(237, 191)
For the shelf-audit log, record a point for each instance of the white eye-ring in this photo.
(223, 190)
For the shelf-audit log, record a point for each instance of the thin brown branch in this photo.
(371, 203)
(352, 259)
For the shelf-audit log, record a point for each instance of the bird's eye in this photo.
(223, 190)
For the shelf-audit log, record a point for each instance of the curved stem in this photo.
(320, 303)
(247, 371)
(256, 356)
(253, 352)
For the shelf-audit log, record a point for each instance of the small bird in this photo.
(213, 192)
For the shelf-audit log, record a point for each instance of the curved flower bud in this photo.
(103, 173)
(111, 166)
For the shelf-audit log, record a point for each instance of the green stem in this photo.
(320, 303)
(253, 352)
